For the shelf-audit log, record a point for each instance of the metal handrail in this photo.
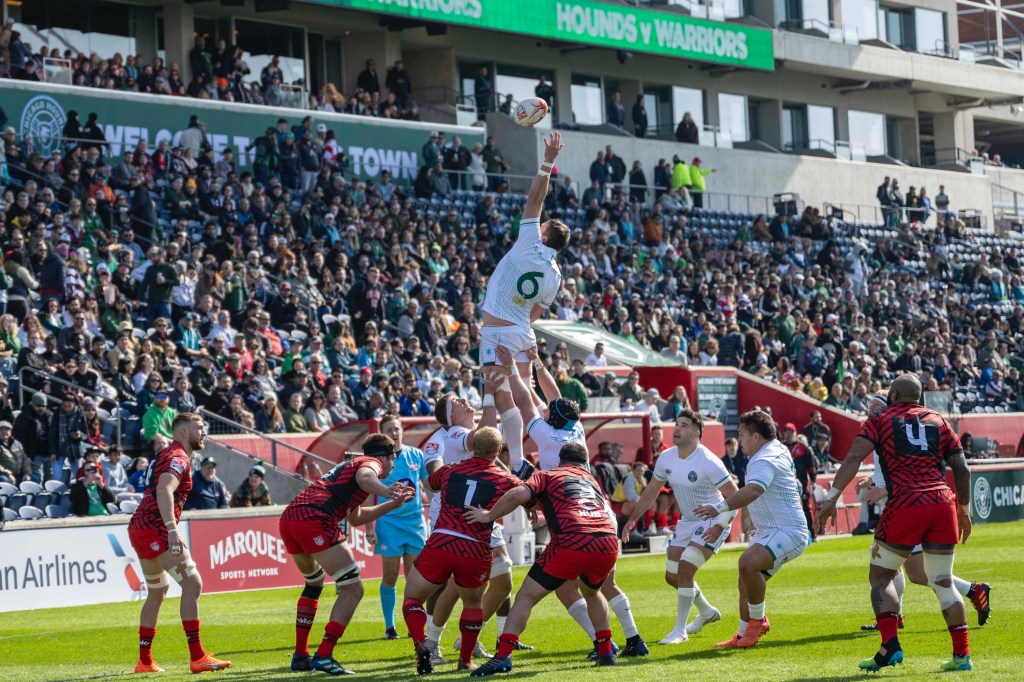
(100, 399)
(237, 428)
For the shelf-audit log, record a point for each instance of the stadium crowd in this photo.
(295, 297)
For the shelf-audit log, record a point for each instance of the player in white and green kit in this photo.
(523, 285)
(772, 494)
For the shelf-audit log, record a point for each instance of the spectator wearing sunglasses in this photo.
(89, 494)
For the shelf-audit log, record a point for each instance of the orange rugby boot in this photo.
(141, 667)
(208, 663)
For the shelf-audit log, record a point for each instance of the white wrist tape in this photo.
(834, 493)
(488, 400)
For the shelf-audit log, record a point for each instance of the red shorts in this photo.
(556, 564)
(309, 536)
(149, 543)
(438, 565)
(933, 524)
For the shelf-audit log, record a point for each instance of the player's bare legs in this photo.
(978, 593)
(682, 560)
(618, 602)
(417, 589)
(444, 598)
(938, 566)
(339, 563)
(509, 415)
(576, 605)
(389, 579)
(753, 623)
(886, 563)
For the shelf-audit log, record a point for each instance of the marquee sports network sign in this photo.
(594, 23)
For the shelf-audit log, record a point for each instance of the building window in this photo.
(688, 100)
(587, 102)
(867, 132)
(930, 31)
(862, 17)
(732, 117)
(806, 14)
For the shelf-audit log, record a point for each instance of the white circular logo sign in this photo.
(44, 118)
(982, 497)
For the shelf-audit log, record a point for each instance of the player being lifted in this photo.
(911, 442)
(458, 550)
(399, 535)
(583, 547)
(560, 427)
(153, 531)
(524, 284)
(453, 443)
(772, 494)
(875, 493)
(698, 477)
(309, 529)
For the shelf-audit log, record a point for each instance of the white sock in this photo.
(684, 601)
(501, 623)
(742, 629)
(579, 613)
(900, 583)
(620, 605)
(756, 611)
(962, 586)
(701, 602)
(512, 430)
(434, 632)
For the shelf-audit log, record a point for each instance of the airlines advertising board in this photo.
(74, 566)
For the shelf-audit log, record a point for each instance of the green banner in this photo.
(372, 144)
(997, 495)
(594, 23)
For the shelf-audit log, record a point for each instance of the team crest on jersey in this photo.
(318, 541)
(668, 472)
(692, 476)
(177, 466)
(155, 546)
(431, 449)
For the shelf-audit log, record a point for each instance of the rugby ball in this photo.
(530, 111)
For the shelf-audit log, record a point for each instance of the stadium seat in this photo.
(30, 487)
(28, 512)
(10, 514)
(17, 501)
(42, 499)
(65, 500)
(55, 486)
(113, 508)
(129, 506)
(55, 511)
(8, 489)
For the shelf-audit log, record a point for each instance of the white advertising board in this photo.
(73, 566)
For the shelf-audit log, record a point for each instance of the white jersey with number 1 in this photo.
(526, 275)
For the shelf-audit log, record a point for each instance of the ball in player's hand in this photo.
(530, 111)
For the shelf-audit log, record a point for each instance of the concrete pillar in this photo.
(769, 123)
(179, 31)
(910, 141)
(434, 74)
(954, 129)
(563, 94)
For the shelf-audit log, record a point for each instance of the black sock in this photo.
(891, 647)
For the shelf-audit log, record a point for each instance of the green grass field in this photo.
(816, 606)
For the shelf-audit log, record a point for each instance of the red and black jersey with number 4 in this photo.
(574, 508)
(474, 482)
(911, 446)
(335, 494)
(172, 460)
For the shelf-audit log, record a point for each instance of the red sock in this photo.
(604, 642)
(506, 644)
(661, 520)
(305, 613)
(959, 635)
(195, 647)
(648, 520)
(415, 619)
(470, 624)
(674, 519)
(888, 625)
(146, 636)
(332, 633)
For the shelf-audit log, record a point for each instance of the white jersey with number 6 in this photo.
(694, 480)
(772, 469)
(526, 275)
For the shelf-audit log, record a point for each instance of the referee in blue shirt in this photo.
(399, 535)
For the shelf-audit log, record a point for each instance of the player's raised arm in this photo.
(539, 188)
(521, 393)
(545, 381)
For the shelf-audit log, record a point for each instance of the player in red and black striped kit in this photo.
(911, 442)
(309, 529)
(583, 547)
(458, 549)
(153, 531)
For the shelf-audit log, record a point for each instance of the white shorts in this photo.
(783, 545)
(497, 539)
(515, 338)
(688, 532)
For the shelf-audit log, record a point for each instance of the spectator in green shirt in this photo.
(158, 417)
(572, 388)
(157, 286)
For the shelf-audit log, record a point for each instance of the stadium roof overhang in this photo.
(869, 63)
